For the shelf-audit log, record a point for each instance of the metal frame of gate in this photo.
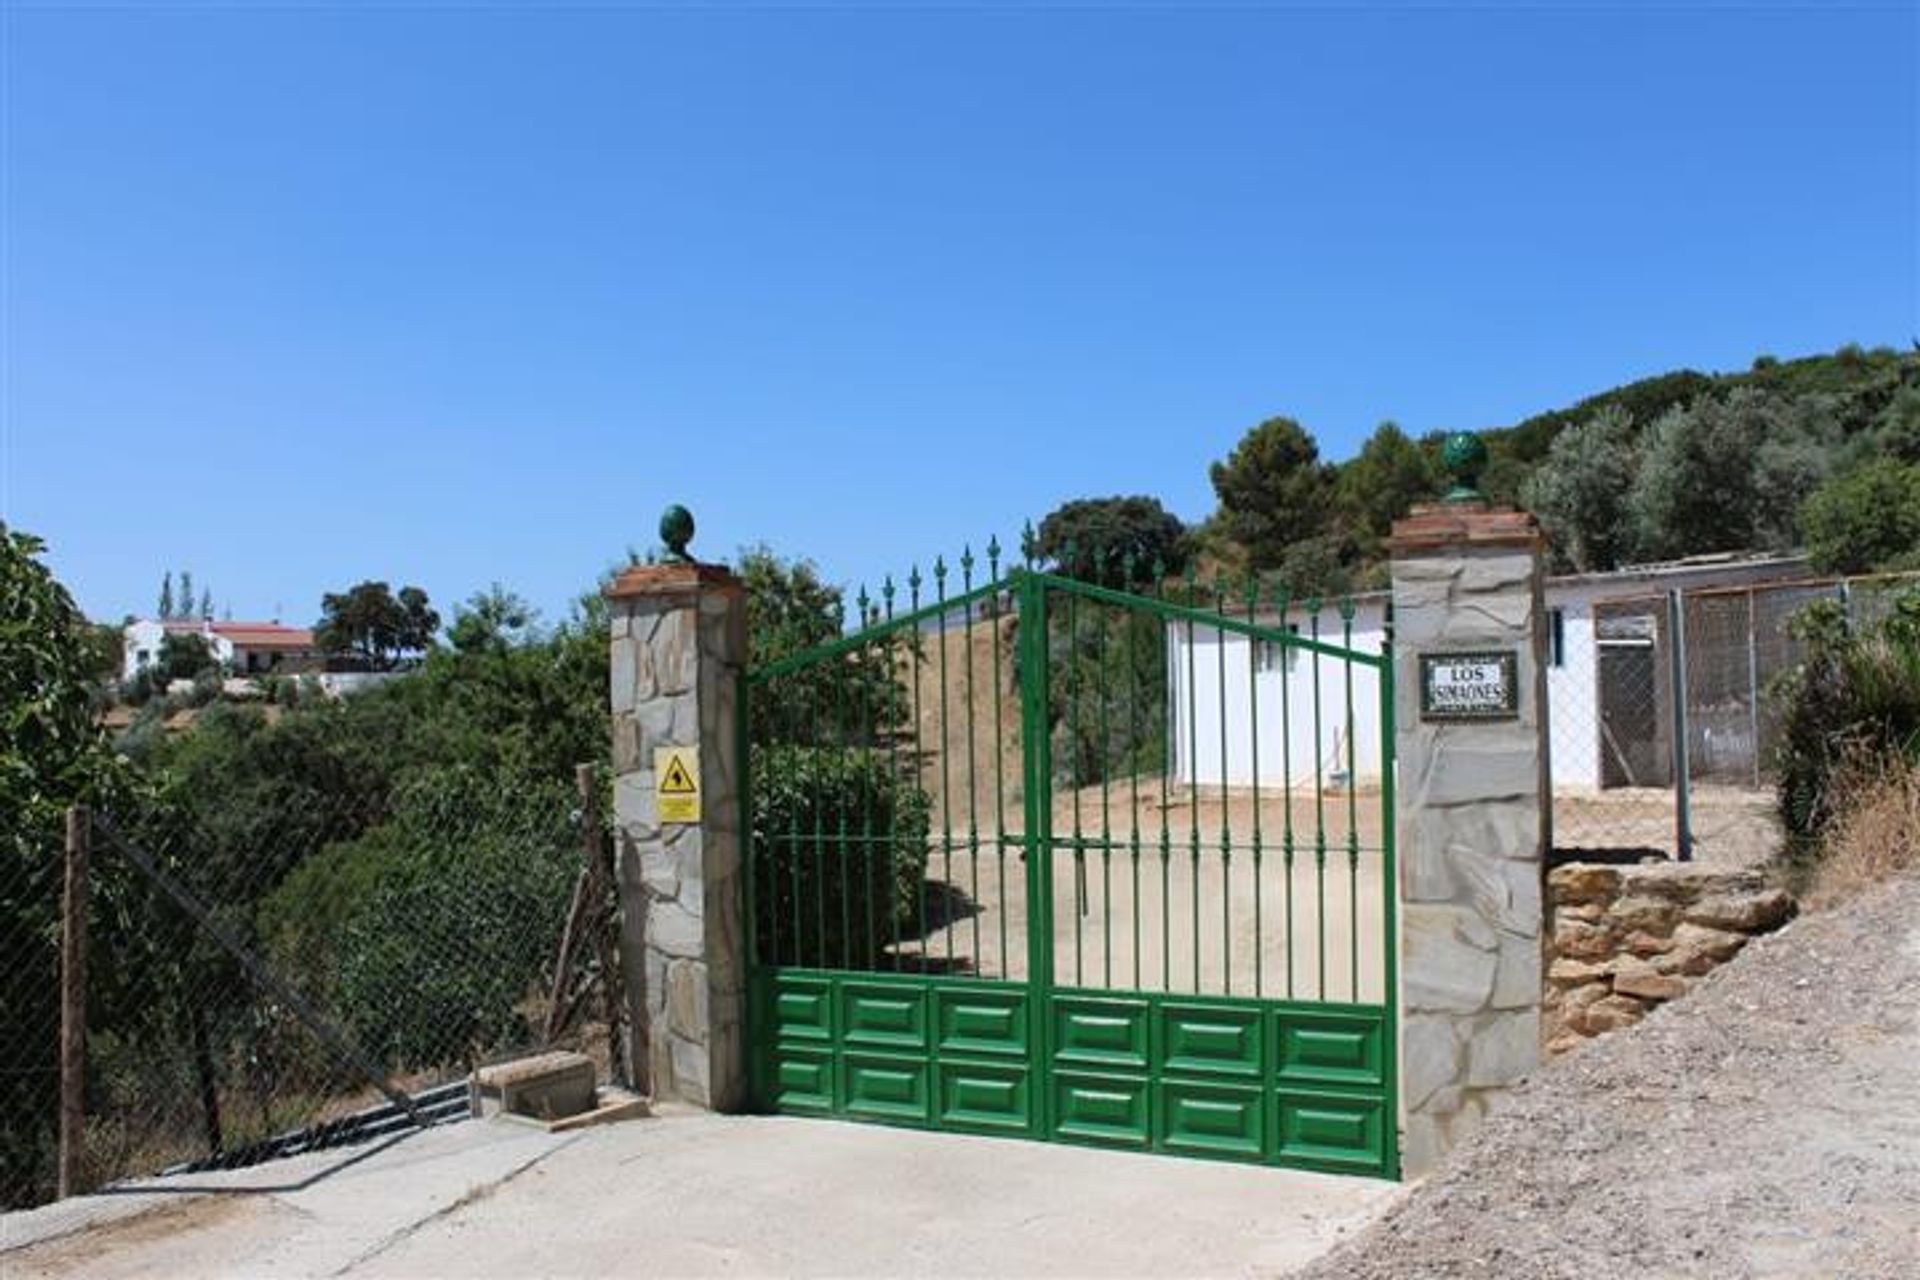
(909, 940)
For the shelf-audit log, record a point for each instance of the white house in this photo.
(244, 648)
(1606, 682)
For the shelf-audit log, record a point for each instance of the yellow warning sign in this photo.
(676, 772)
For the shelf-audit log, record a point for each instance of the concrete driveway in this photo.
(699, 1195)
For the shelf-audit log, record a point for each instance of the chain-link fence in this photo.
(1666, 715)
(268, 974)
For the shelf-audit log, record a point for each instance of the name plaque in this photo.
(1482, 685)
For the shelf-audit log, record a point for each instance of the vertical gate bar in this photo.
(973, 779)
(1073, 778)
(999, 751)
(1283, 601)
(1226, 801)
(1104, 615)
(1389, 906)
(1193, 778)
(1253, 742)
(915, 637)
(1037, 760)
(873, 715)
(819, 859)
(1127, 569)
(843, 865)
(1169, 752)
(863, 760)
(893, 773)
(1353, 805)
(1319, 811)
(796, 840)
(946, 769)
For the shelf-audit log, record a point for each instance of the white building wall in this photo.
(141, 645)
(1215, 691)
(1573, 685)
(1573, 694)
(146, 636)
(1573, 710)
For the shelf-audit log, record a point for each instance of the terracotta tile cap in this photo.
(666, 579)
(1437, 525)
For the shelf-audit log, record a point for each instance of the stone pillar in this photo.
(1473, 817)
(679, 645)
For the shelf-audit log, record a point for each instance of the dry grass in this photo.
(1875, 837)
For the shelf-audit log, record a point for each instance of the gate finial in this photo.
(676, 531)
(1464, 457)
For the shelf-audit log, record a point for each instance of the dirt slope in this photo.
(1767, 1125)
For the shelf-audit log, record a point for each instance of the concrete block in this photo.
(549, 1086)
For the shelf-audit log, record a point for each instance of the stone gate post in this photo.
(678, 649)
(1470, 680)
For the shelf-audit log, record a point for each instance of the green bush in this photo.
(428, 934)
(52, 755)
(1854, 703)
(1107, 693)
(1867, 519)
(840, 853)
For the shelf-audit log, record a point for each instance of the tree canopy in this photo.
(1273, 490)
(1679, 464)
(1867, 519)
(1100, 539)
(371, 623)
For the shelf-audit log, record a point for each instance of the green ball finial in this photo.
(676, 530)
(1463, 457)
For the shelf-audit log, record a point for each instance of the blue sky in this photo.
(303, 294)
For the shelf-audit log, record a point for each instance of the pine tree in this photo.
(206, 603)
(166, 596)
(186, 594)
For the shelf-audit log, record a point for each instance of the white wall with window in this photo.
(1315, 714)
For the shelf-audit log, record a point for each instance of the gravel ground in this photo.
(1766, 1125)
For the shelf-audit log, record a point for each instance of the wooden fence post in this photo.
(73, 1000)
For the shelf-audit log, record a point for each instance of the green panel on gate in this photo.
(1100, 1032)
(1211, 1039)
(1213, 1119)
(1330, 1048)
(803, 1008)
(977, 1095)
(980, 1020)
(803, 1079)
(892, 1016)
(1108, 1109)
(1331, 1131)
(886, 1088)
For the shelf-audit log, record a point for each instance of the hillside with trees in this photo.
(1821, 452)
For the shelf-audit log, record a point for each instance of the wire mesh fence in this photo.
(271, 974)
(1666, 712)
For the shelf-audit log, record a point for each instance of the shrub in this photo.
(1107, 694)
(840, 847)
(1853, 705)
(1875, 832)
(207, 687)
(428, 932)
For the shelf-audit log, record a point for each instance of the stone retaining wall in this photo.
(1628, 938)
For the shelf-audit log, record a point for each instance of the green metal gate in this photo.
(1049, 858)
